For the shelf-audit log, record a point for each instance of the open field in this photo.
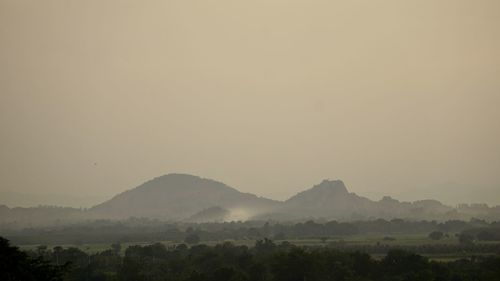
(355, 242)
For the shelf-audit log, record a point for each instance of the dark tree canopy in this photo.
(266, 261)
(436, 235)
(192, 238)
(18, 266)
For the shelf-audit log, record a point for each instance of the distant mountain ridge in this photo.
(183, 197)
(178, 196)
(329, 199)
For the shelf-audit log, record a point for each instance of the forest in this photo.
(144, 249)
(266, 260)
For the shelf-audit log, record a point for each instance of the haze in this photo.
(393, 97)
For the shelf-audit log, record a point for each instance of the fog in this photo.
(393, 97)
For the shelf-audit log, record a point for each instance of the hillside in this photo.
(213, 214)
(331, 200)
(179, 196)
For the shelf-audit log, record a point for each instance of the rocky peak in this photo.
(336, 186)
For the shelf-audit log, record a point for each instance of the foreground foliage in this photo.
(264, 261)
(18, 266)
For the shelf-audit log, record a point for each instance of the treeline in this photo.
(19, 266)
(140, 230)
(266, 261)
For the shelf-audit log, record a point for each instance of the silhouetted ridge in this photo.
(183, 197)
(178, 181)
(326, 190)
(178, 196)
(335, 186)
(329, 199)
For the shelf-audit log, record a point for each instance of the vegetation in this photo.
(436, 235)
(143, 249)
(266, 260)
(465, 238)
(137, 230)
(192, 238)
(18, 266)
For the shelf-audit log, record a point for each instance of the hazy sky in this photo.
(393, 97)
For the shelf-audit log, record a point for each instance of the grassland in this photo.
(348, 242)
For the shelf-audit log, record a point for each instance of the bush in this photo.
(465, 239)
(192, 238)
(436, 235)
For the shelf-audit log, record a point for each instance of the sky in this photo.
(394, 97)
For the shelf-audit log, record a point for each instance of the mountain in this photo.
(179, 196)
(187, 198)
(331, 200)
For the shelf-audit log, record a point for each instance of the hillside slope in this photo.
(179, 196)
(331, 200)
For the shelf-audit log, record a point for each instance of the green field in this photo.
(343, 242)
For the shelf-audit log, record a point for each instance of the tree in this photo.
(465, 239)
(16, 265)
(436, 235)
(264, 246)
(192, 238)
(116, 247)
(41, 249)
(57, 252)
(280, 236)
